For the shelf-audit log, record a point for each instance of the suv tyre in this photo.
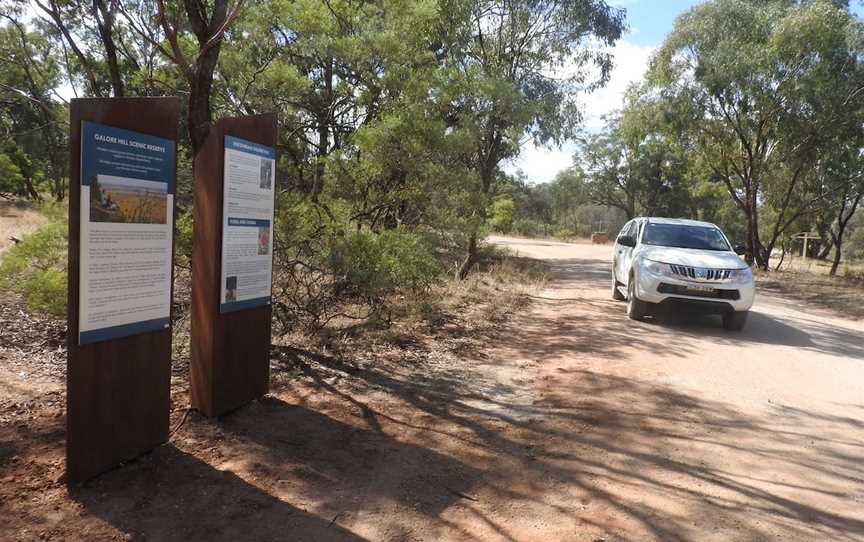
(636, 308)
(616, 293)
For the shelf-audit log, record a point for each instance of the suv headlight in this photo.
(741, 275)
(658, 268)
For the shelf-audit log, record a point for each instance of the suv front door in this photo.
(623, 253)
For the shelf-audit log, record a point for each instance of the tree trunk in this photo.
(323, 130)
(199, 116)
(838, 254)
(757, 253)
(105, 23)
(782, 257)
(752, 255)
(30, 190)
(208, 31)
(471, 258)
(487, 167)
(842, 222)
(59, 188)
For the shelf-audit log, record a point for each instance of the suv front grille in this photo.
(692, 291)
(699, 273)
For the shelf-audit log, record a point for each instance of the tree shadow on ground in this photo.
(172, 495)
(635, 459)
(613, 440)
(346, 466)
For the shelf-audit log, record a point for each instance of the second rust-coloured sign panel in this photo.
(230, 350)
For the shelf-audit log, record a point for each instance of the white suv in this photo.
(684, 264)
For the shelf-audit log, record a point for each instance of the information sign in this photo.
(247, 225)
(126, 221)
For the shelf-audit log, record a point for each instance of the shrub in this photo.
(183, 239)
(564, 232)
(374, 264)
(530, 228)
(501, 215)
(36, 267)
(325, 265)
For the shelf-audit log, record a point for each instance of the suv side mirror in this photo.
(627, 241)
(740, 250)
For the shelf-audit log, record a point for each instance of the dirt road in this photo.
(567, 423)
(679, 430)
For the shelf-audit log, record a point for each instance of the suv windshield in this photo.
(680, 236)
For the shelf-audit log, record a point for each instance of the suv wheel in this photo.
(636, 308)
(616, 293)
(734, 321)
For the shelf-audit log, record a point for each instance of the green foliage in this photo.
(183, 238)
(502, 214)
(32, 150)
(360, 261)
(36, 268)
(530, 228)
(768, 97)
(376, 263)
(45, 291)
(11, 180)
(561, 208)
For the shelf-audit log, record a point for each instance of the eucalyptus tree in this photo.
(639, 162)
(32, 120)
(515, 68)
(842, 175)
(609, 165)
(768, 84)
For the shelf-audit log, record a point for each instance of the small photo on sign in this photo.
(231, 289)
(129, 201)
(263, 240)
(265, 173)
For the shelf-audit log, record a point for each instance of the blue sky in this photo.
(649, 22)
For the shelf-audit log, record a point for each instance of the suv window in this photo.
(682, 236)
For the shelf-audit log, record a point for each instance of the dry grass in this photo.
(18, 218)
(841, 294)
(853, 270)
(453, 316)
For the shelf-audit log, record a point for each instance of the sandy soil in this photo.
(568, 422)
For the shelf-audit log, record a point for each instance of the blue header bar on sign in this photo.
(106, 150)
(254, 222)
(243, 145)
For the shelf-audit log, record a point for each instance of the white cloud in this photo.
(631, 62)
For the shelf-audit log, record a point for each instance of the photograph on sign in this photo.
(247, 224)
(115, 199)
(127, 205)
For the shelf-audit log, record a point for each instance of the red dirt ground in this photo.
(567, 423)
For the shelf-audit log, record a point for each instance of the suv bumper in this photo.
(720, 301)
